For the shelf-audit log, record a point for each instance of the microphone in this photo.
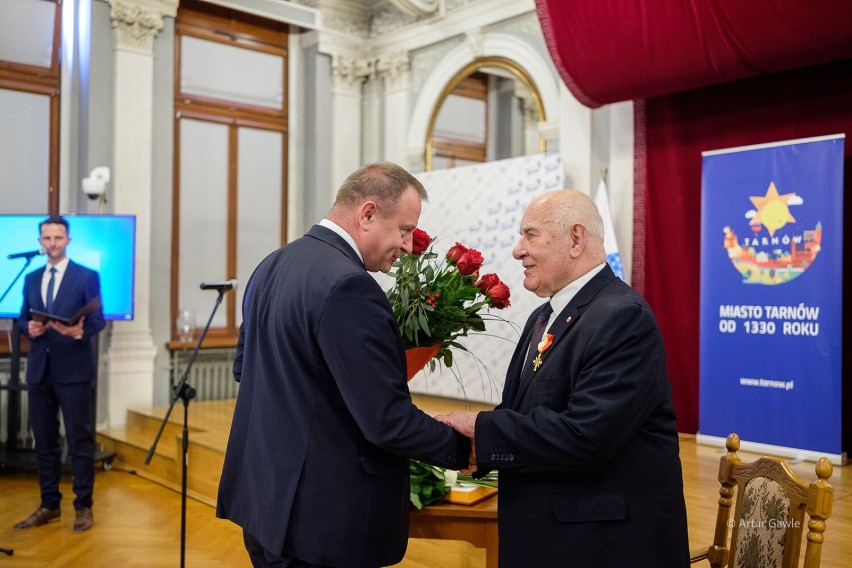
(220, 286)
(28, 255)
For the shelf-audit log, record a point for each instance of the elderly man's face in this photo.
(544, 252)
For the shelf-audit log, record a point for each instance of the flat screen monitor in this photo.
(105, 243)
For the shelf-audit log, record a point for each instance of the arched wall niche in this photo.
(497, 50)
(485, 65)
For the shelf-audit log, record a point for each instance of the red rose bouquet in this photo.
(437, 299)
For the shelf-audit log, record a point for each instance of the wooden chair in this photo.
(768, 523)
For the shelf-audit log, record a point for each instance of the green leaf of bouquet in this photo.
(448, 358)
(424, 324)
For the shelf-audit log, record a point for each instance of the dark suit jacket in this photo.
(70, 360)
(317, 461)
(587, 449)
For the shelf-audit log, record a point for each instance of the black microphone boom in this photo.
(220, 286)
(28, 255)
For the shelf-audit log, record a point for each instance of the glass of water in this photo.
(185, 326)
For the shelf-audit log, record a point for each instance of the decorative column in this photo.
(130, 358)
(395, 69)
(372, 120)
(348, 75)
(532, 136)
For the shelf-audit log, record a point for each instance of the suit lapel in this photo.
(513, 375)
(559, 329)
(38, 276)
(562, 325)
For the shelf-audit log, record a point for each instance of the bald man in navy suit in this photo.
(584, 438)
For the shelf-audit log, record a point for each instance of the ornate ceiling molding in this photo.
(474, 40)
(418, 7)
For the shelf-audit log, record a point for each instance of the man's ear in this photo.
(367, 213)
(578, 239)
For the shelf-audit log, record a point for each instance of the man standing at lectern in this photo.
(316, 471)
(61, 370)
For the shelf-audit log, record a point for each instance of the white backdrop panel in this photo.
(481, 206)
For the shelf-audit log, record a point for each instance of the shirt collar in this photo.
(60, 266)
(563, 297)
(331, 225)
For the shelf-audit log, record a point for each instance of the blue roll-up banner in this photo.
(771, 294)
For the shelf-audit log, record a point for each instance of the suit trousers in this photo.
(45, 400)
(262, 558)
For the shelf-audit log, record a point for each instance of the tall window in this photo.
(30, 38)
(230, 155)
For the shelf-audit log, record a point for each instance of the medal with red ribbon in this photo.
(543, 346)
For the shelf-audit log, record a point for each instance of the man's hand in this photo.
(472, 459)
(75, 330)
(35, 329)
(463, 422)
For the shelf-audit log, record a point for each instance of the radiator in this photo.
(21, 433)
(211, 375)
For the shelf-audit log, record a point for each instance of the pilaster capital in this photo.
(393, 65)
(529, 107)
(137, 22)
(350, 72)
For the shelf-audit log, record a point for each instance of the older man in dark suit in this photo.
(584, 438)
(316, 470)
(61, 369)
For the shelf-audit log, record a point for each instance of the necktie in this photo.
(538, 332)
(48, 301)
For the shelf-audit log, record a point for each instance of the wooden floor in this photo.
(137, 521)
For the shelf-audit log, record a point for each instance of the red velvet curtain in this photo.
(614, 50)
(758, 73)
(671, 133)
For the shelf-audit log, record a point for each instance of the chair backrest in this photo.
(769, 512)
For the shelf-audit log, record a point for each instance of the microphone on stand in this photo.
(220, 286)
(28, 254)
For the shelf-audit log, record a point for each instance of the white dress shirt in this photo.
(60, 267)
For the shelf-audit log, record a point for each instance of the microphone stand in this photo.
(24, 267)
(14, 385)
(185, 392)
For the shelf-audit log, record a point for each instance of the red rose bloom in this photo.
(420, 241)
(456, 252)
(469, 262)
(487, 282)
(499, 294)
